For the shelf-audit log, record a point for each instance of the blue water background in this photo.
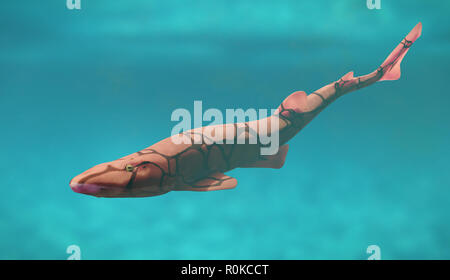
(78, 88)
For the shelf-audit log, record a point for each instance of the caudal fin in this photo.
(391, 66)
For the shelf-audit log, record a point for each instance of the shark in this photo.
(193, 165)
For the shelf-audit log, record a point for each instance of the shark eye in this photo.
(129, 168)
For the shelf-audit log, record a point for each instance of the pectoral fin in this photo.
(213, 182)
(274, 161)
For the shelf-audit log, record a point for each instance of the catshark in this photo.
(201, 165)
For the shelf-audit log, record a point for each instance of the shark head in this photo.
(126, 177)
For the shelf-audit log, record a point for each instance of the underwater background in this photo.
(82, 87)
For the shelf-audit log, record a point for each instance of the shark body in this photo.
(193, 166)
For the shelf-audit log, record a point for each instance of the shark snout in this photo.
(90, 189)
(103, 180)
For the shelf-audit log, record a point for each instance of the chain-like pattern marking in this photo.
(406, 45)
(204, 149)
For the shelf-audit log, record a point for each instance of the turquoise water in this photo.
(78, 88)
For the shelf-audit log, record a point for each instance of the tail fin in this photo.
(391, 66)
